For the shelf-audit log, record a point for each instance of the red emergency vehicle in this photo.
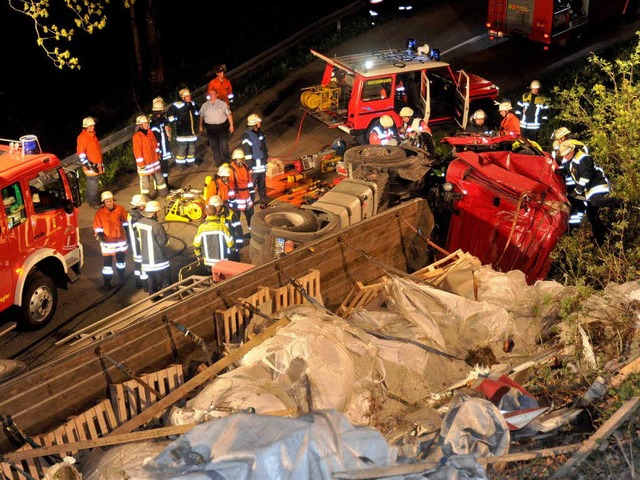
(40, 247)
(357, 89)
(552, 21)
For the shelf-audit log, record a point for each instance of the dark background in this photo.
(38, 98)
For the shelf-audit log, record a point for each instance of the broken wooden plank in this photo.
(212, 371)
(622, 374)
(602, 433)
(359, 296)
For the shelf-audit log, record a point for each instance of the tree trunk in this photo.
(156, 63)
(135, 35)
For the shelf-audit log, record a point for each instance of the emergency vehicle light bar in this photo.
(25, 145)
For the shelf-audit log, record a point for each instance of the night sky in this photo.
(37, 98)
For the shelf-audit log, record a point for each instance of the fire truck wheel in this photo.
(289, 218)
(374, 154)
(39, 301)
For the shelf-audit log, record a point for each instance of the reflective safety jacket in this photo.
(213, 240)
(215, 186)
(254, 146)
(224, 89)
(532, 112)
(158, 124)
(145, 151)
(89, 151)
(240, 187)
(109, 227)
(153, 239)
(510, 124)
(186, 116)
(380, 135)
(415, 132)
(134, 239)
(235, 228)
(590, 179)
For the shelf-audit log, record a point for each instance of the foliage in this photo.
(85, 15)
(118, 162)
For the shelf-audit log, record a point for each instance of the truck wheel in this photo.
(283, 216)
(39, 301)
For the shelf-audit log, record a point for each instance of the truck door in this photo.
(14, 230)
(461, 114)
(425, 95)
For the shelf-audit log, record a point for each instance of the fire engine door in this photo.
(461, 113)
(14, 229)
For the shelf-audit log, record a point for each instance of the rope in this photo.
(513, 224)
(295, 144)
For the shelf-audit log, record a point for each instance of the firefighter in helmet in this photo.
(241, 188)
(213, 241)
(110, 226)
(532, 110)
(510, 123)
(383, 131)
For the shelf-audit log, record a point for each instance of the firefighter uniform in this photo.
(145, 151)
(90, 154)
(383, 132)
(186, 116)
(414, 131)
(213, 240)
(222, 86)
(532, 111)
(153, 239)
(510, 123)
(241, 186)
(218, 185)
(161, 129)
(254, 146)
(137, 204)
(110, 224)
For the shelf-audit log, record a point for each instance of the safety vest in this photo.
(186, 117)
(153, 239)
(111, 224)
(213, 240)
(254, 146)
(533, 111)
(590, 179)
(89, 151)
(383, 136)
(158, 124)
(215, 186)
(240, 187)
(145, 151)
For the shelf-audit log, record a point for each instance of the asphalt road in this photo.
(510, 64)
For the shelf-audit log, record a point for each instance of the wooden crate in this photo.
(232, 322)
(359, 296)
(131, 398)
(287, 295)
(94, 423)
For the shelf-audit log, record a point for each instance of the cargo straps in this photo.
(129, 373)
(191, 336)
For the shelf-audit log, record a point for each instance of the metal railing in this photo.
(122, 136)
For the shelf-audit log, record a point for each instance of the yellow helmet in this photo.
(140, 119)
(386, 121)
(406, 112)
(224, 170)
(566, 148)
(505, 107)
(237, 154)
(253, 120)
(152, 207)
(534, 84)
(215, 201)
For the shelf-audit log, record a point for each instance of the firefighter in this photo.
(478, 123)
(383, 131)
(240, 186)
(560, 135)
(213, 240)
(153, 240)
(145, 151)
(185, 114)
(162, 130)
(532, 111)
(218, 185)
(110, 227)
(254, 145)
(90, 153)
(591, 186)
(510, 123)
(138, 202)
(221, 84)
(414, 131)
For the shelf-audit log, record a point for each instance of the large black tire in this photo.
(286, 217)
(39, 301)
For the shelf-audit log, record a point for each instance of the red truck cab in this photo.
(40, 247)
(357, 89)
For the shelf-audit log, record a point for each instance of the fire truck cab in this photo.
(357, 89)
(40, 247)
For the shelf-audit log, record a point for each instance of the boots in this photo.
(106, 285)
(122, 276)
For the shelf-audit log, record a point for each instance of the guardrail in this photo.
(122, 136)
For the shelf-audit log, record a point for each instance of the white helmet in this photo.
(505, 107)
(566, 148)
(106, 196)
(157, 105)
(138, 200)
(184, 93)
(152, 207)
(406, 112)
(253, 120)
(224, 170)
(561, 132)
(140, 119)
(534, 84)
(215, 201)
(237, 154)
(386, 121)
(87, 122)
(478, 114)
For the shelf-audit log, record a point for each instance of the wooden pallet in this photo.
(454, 263)
(94, 423)
(287, 295)
(359, 296)
(131, 398)
(232, 322)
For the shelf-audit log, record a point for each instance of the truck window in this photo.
(13, 202)
(47, 191)
(376, 89)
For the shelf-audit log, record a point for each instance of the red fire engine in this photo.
(40, 247)
(552, 21)
(357, 89)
